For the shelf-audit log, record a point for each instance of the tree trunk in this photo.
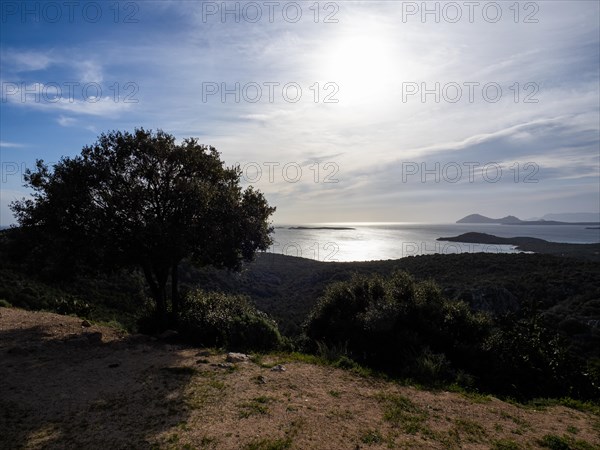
(157, 283)
(162, 275)
(175, 290)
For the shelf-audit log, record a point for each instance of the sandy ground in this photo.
(64, 385)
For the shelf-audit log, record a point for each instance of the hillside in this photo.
(65, 385)
(566, 289)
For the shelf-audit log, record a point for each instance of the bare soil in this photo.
(64, 385)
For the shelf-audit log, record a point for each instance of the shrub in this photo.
(526, 358)
(4, 303)
(69, 304)
(229, 321)
(396, 324)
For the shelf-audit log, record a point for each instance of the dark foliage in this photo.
(525, 358)
(407, 328)
(220, 320)
(397, 324)
(141, 200)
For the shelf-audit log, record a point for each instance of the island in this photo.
(512, 220)
(530, 244)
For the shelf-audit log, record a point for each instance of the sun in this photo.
(363, 66)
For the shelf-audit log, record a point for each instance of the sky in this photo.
(337, 111)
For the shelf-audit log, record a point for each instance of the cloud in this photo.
(47, 97)
(89, 71)
(66, 121)
(5, 144)
(27, 61)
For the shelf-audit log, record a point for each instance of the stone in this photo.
(168, 334)
(237, 357)
(86, 324)
(278, 368)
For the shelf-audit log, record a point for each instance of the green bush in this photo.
(408, 329)
(526, 359)
(229, 321)
(398, 325)
(4, 303)
(69, 304)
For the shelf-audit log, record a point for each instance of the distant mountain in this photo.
(478, 218)
(512, 220)
(573, 217)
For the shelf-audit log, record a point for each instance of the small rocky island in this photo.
(530, 244)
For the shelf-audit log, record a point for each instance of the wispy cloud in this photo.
(43, 97)
(66, 121)
(4, 144)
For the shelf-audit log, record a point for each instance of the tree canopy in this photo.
(142, 200)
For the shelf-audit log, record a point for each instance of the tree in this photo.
(141, 200)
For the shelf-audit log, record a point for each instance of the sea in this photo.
(380, 241)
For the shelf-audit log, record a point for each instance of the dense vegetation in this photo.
(522, 325)
(398, 325)
(409, 329)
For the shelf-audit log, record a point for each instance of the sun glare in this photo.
(364, 66)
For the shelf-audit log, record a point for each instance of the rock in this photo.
(261, 380)
(225, 365)
(86, 324)
(237, 357)
(278, 368)
(168, 334)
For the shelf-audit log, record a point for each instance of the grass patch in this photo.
(4, 304)
(269, 444)
(555, 442)
(517, 420)
(208, 442)
(579, 405)
(203, 391)
(403, 413)
(256, 406)
(505, 444)
(370, 437)
(335, 394)
(342, 362)
(474, 396)
(472, 430)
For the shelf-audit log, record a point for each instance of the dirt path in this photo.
(64, 385)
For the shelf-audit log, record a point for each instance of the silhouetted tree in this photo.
(142, 200)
